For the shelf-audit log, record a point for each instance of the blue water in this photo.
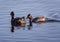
(44, 32)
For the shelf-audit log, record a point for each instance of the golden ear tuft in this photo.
(30, 17)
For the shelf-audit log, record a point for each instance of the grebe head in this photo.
(12, 13)
(29, 16)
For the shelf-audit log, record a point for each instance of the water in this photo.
(44, 32)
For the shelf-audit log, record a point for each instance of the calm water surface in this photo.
(42, 32)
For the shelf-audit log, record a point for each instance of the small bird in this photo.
(17, 21)
(41, 19)
(37, 19)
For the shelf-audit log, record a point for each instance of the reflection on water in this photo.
(29, 27)
(12, 28)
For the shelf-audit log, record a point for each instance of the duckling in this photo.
(41, 19)
(17, 21)
(37, 19)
